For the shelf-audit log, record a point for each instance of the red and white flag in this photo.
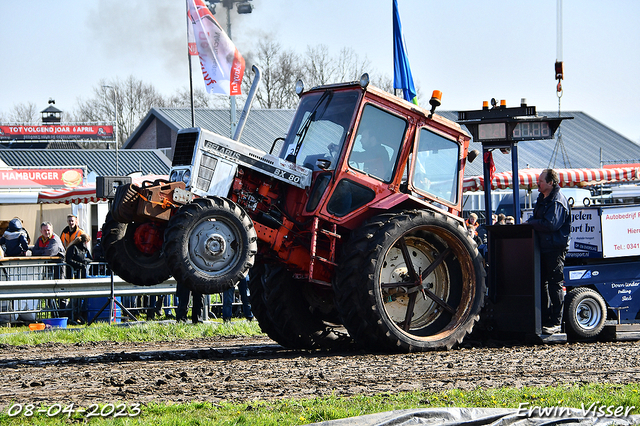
(221, 63)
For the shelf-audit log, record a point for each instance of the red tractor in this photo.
(351, 232)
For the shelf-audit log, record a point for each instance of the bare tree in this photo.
(133, 97)
(280, 70)
(24, 113)
(349, 65)
(318, 65)
(201, 99)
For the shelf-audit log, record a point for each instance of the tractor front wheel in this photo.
(210, 244)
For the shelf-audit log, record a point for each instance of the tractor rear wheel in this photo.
(210, 245)
(411, 281)
(134, 251)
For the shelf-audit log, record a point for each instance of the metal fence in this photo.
(32, 289)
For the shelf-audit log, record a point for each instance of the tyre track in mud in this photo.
(249, 369)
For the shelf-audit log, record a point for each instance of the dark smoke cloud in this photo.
(130, 31)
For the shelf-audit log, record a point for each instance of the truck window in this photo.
(377, 143)
(436, 168)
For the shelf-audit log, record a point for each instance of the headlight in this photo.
(174, 176)
(186, 178)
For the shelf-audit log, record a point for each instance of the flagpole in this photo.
(232, 98)
(193, 111)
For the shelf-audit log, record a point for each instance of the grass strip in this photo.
(150, 331)
(304, 411)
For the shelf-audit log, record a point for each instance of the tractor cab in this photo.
(365, 145)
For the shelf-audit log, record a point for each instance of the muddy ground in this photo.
(246, 369)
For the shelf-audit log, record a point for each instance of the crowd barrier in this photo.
(31, 286)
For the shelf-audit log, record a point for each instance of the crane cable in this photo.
(559, 68)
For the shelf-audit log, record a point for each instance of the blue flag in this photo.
(402, 78)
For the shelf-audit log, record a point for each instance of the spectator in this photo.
(494, 218)
(509, 220)
(472, 225)
(47, 244)
(78, 256)
(229, 295)
(552, 221)
(98, 253)
(14, 240)
(71, 232)
(197, 312)
(501, 219)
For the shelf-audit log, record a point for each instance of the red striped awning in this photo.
(78, 195)
(528, 178)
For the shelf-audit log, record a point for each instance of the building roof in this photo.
(100, 161)
(262, 128)
(582, 137)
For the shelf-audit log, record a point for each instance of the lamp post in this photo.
(115, 107)
(243, 7)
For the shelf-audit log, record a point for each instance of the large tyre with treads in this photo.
(210, 244)
(129, 262)
(294, 322)
(411, 281)
(259, 302)
(125, 203)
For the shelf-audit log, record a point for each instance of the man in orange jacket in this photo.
(71, 232)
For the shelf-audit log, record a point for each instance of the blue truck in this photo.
(602, 272)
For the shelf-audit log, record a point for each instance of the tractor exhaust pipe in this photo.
(247, 104)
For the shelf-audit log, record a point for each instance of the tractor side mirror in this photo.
(472, 155)
(323, 163)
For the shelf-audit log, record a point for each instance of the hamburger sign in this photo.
(41, 177)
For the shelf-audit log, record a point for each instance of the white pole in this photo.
(559, 32)
(115, 107)
(232, 98)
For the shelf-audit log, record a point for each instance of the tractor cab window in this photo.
(377, 143)
(319, 129)
(436, 166)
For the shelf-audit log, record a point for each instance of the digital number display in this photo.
(492, 131)
(533, 130)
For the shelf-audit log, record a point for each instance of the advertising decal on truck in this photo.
(621, 231)
(586, 239)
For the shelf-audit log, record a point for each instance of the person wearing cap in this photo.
(15, 240)
(71, 232)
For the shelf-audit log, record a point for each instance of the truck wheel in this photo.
(139, 264)
(297, 324)
(210, 244)
(412, 281)
(585, 313)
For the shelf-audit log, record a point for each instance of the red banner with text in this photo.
(38, 177)
(57, 132)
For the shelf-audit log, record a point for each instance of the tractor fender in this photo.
(408, 201)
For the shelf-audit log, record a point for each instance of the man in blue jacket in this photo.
(552, 221)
